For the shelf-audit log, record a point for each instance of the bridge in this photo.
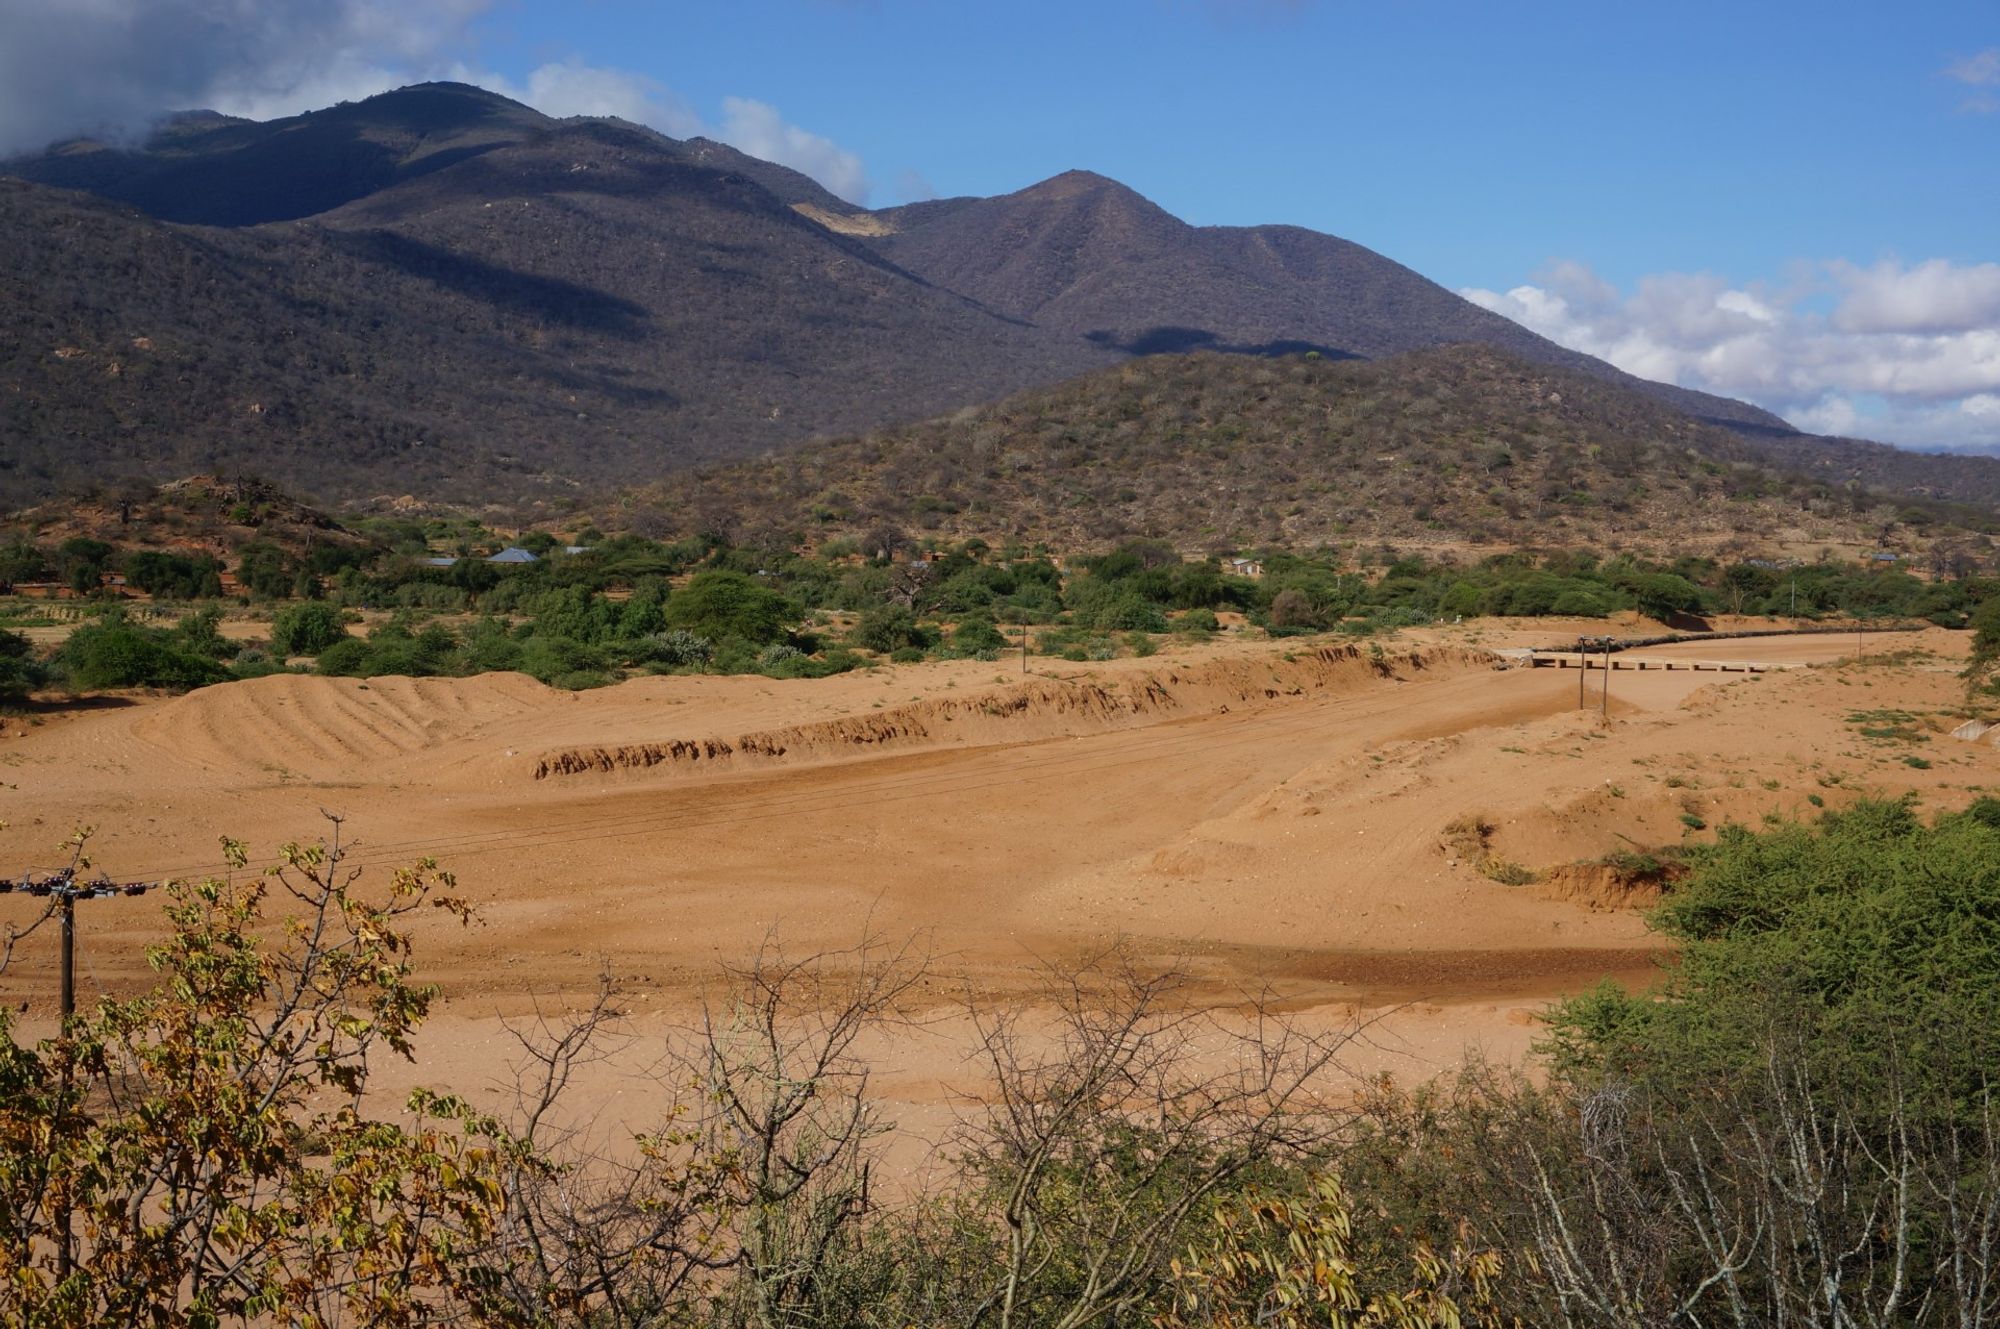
(1572, 660)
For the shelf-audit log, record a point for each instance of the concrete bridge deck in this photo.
(1641, 664)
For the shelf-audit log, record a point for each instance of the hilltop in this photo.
(1458, 445)
(1091, 257)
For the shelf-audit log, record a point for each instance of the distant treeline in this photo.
(629, 604)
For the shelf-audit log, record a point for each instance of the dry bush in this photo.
(1469, 838)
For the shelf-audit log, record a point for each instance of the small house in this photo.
(1244, 567)
(438, 561)
(513, 555)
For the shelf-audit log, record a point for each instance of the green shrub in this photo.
(348, 659)
(975, 635)
(307, 628)
(1870, 928)
(886, 629)
(677, 648)
(557, 660)
(1196, 622)
(113, 653)
(201, 632)
(717, 605)
(174, 576)
(20, 674)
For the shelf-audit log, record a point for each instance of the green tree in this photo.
(1662, 595)
(887, 628)
(307, 628)
(266, 570)
(976, 634)
(1870, 929)
(174, 576)
(20, 674)
(717, 605)
(114, 653)
(1985, 643)
(205, 1142)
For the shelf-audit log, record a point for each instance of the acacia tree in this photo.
(201, 1151)
(745, 1204)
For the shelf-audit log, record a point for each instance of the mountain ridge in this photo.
(442, 286)
(1464, 445)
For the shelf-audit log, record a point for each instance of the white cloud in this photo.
(1908, 353)
(574, 88)
(112, 67)
(1935, 296)
(1979, 71)
(912, 187)
(756, 128)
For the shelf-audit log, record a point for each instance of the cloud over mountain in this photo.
(1904, 352)
(110, 68)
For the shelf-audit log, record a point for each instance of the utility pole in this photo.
(63, 890)
(1606, 700)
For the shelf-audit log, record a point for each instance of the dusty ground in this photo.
(1267, 815)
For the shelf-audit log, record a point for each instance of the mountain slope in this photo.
(580, 308)
(215, 170)
(1091, 257)
(1457, 444)
(438, 289)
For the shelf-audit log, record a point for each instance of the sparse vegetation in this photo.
(1819, 1057)
(1316, 452)
(1469, 839)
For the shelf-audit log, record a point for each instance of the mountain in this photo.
(439, 290)
(215, 170)
(1451, 446)
(589, 305)
(1091, 257)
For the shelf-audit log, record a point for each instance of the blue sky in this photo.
(1795, 204)
(1474, 141)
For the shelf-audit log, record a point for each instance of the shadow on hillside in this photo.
(237, 173)
(564, 302)
(1180, 341)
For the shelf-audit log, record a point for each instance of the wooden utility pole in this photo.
(63, 891)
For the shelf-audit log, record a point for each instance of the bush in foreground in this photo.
(1798, 1129)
